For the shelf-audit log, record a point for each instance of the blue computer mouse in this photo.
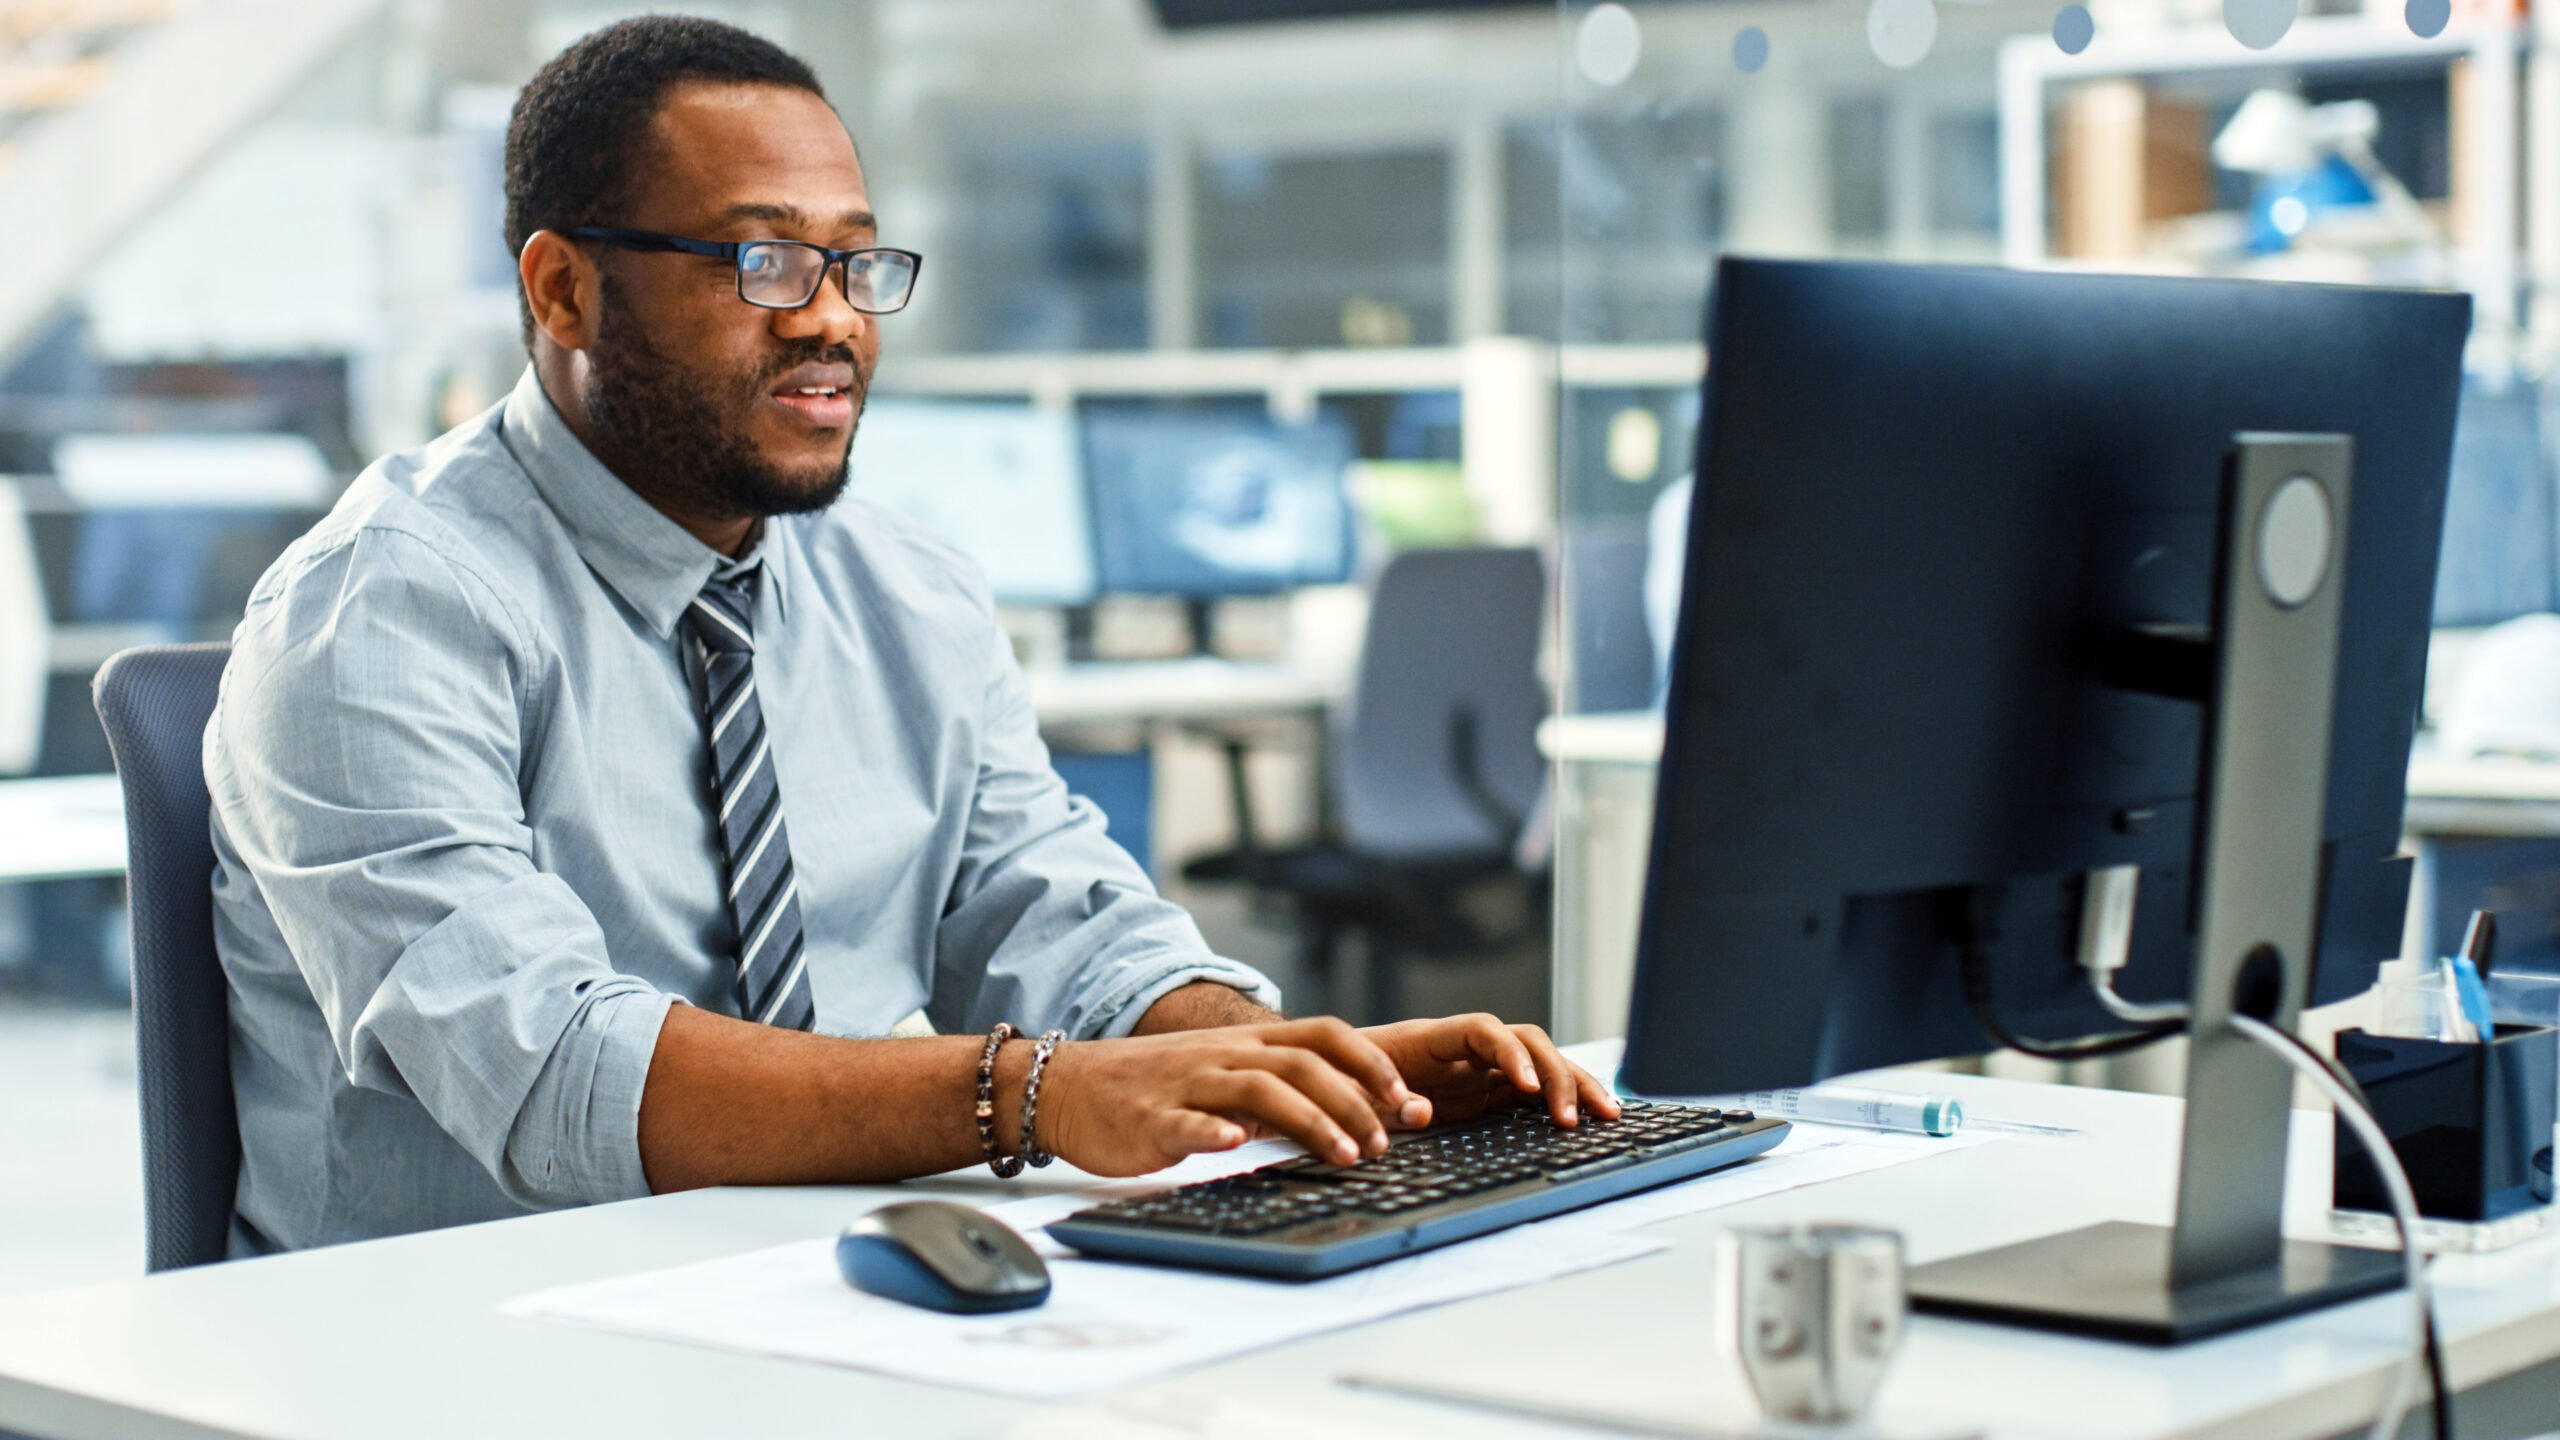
(943, 1257)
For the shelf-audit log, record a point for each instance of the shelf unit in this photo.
(2502, 195)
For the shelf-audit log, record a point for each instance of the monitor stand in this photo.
(2225, 1264)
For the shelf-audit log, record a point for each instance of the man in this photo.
(590, 778)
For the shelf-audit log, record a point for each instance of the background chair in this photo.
(154, 703)
(1435, 770)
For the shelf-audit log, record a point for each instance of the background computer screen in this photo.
(1208, 503)
(2501, 533)
(1003, 482)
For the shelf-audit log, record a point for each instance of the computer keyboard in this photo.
(1303, 1218)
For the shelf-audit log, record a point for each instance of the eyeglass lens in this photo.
(787, 276)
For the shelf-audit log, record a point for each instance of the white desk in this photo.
(1200, 689)
(1605, 823)
(61, 828)
(401, 1338)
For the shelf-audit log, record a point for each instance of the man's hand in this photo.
(1125, 1107)
(1468, 1064)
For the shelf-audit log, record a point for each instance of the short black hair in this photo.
(584, 117)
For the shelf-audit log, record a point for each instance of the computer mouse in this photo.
(941, 1256)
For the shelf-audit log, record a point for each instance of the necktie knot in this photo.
(722, 616)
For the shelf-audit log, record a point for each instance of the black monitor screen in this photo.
(1208, 503)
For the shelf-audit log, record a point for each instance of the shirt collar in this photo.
(654, 564)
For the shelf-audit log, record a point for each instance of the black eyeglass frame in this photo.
(731, 250)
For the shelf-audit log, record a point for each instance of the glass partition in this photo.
(2385, 143)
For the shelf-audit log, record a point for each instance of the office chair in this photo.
(1435, 769)
(154, 702)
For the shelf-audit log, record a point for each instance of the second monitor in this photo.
(1208, 503)
(1002, 481)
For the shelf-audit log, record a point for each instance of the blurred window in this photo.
(1642, 196)
(1049, 246)
(1323, 250)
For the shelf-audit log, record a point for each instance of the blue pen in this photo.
(2470, 970)
(2473, 994)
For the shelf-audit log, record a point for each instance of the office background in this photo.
(1233, 313)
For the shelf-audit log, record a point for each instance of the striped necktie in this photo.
(764, 897)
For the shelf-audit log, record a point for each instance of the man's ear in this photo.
(561, 288)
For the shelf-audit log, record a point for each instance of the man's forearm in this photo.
(1203, 1005)
(731, 1103)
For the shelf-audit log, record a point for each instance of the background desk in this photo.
(1604, 798)
(401, 1338)
(1150, 738)
(61, 828)
(66, 827)
(1106, 692)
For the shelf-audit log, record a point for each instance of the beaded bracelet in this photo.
(1005, 1166)
(1040, 1054)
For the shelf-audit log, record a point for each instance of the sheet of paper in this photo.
(1108, 1325)
(1105, 1325)
(1810, 1155)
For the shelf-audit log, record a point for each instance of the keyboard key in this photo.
(1590, 1168)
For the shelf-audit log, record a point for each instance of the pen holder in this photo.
(2472, 1124)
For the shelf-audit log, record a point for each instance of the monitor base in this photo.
(2111, 1282)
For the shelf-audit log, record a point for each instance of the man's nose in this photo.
(828, 315)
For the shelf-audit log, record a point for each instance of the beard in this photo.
(680, 434)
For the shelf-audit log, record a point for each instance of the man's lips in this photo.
(826, 410)
(820, 395)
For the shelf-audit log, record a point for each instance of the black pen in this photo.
(2479, 938)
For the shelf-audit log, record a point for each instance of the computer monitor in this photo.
(1205, 504)
(2502, 519)
(1003, 482)
(1952, 530)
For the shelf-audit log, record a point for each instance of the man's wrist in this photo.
(1203, 1005)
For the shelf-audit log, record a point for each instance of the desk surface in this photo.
(1205, 688)
(401, 1337)
(61, 827)
(1635, 738)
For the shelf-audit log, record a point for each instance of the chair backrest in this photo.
(154, 703)
(1439, 752)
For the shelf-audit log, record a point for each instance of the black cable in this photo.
(2439, 1399)
(1968, 918)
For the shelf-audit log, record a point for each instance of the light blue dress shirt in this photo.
(465, 854)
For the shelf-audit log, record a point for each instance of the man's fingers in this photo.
(1190, 1132)
(1494, 1044)
(1350, 1052)
(1558, 1080)
(1338, 1095)
(1261, 1096)
(1602, 1100)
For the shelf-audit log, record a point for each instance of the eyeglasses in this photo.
(786, 274)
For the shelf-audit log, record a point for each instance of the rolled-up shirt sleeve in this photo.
(374, 718)
(1050, 922)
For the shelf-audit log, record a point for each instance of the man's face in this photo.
(723, 408)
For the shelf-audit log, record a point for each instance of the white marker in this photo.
(1851, 1105)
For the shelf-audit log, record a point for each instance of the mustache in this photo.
(812, 352)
